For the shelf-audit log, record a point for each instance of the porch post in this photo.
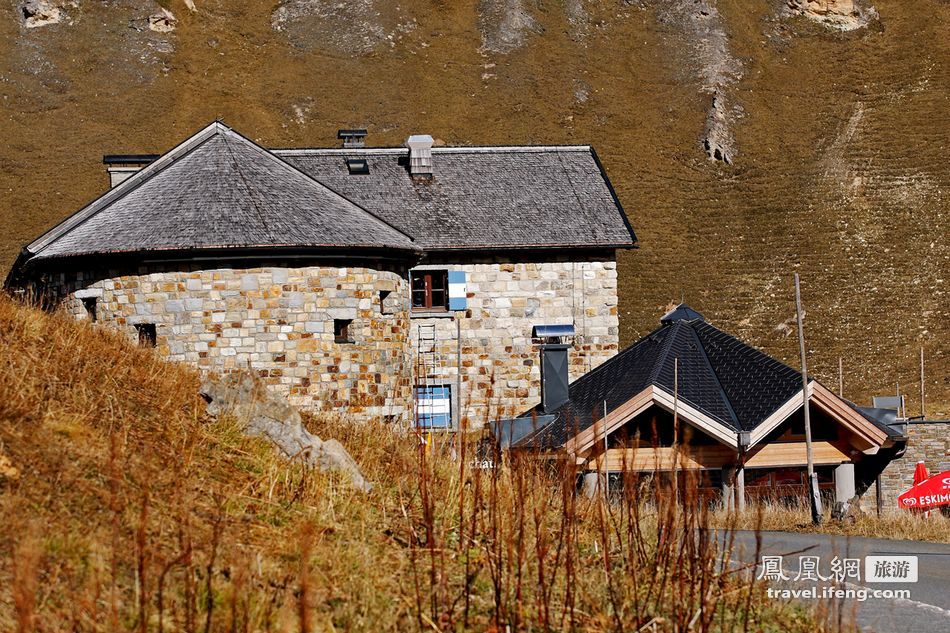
(591, 483)
(844, 489)
(740, 488)
(729, 488)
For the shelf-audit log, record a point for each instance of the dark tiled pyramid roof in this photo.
(218, 190)
(728, 380)
(483, 197)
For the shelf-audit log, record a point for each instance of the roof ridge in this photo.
(270, 154)
(722, 392)
(102, 201)
(664, 353)
(455, 149)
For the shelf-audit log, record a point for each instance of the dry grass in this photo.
(892, 525)
(133, 512)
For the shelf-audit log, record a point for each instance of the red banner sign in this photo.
(931, 493)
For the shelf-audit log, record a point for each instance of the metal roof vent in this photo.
(420, 156)
(353, 137)
(357, 165)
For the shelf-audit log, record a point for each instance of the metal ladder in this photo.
(428, 366)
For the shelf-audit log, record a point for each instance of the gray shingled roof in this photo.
(482, 197)
(218, 190)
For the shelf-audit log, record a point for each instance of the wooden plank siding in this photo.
(774, 455)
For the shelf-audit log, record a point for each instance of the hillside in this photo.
(831, 144)
(126, 508)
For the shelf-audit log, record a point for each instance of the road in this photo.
(928, 608)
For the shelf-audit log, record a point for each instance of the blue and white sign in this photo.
(457, 300)
(434, 407)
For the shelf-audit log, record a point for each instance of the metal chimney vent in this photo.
(354, 137)
(420, 155)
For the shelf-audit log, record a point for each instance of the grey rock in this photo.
(264, 414)
(38, 13)
(504, 25)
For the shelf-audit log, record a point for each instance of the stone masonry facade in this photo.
(278, 321)
(274, 320)
(500, 362)
(928, 442)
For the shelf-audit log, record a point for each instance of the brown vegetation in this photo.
(132, 511)
(840, 171)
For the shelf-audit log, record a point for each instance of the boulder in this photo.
(41, 13)
(264, 414)
(162, 22)
(844, 15)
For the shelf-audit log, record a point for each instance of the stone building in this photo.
(402, 283)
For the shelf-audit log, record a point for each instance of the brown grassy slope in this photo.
(841, 171)
(131, 511)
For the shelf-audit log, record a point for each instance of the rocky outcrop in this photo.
(716, 67)
(264, 414)
(504, 25)
(845, 15)
(356, 27)
(162, 22)
(38, 13)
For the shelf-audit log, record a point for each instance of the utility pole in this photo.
(923, 410)
(840, 378)
(815, 498)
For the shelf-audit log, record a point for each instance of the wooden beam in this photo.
(775, 455)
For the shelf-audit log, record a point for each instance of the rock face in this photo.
(266, 415)
(845, 15)
(353, 28)
(716, 67)
(504, 25)
(162, 22)
(38, 13)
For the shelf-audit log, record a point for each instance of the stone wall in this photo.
(275, 320)
(928, 442)
(501, 373)
(278, 321)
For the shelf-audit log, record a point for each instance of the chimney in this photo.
(554, 376)
(353, 137)
(121, 167)
(420, 156)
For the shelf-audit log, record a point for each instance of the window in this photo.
(429, 289)
(434, 407)
(147, 334)
(89, 303)
(341, 330)
(384, 308)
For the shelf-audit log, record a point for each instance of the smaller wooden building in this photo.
(738, 426)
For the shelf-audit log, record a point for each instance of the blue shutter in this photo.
(457, 300)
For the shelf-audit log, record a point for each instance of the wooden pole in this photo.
(840, 378)
(606, 466)
(923, 410)
(816, 514)
(676, 426)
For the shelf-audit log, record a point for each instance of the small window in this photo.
(434, 407)
(89, 303)
(383, 307)
(341, 330)
(147, 334)
(429, 290)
